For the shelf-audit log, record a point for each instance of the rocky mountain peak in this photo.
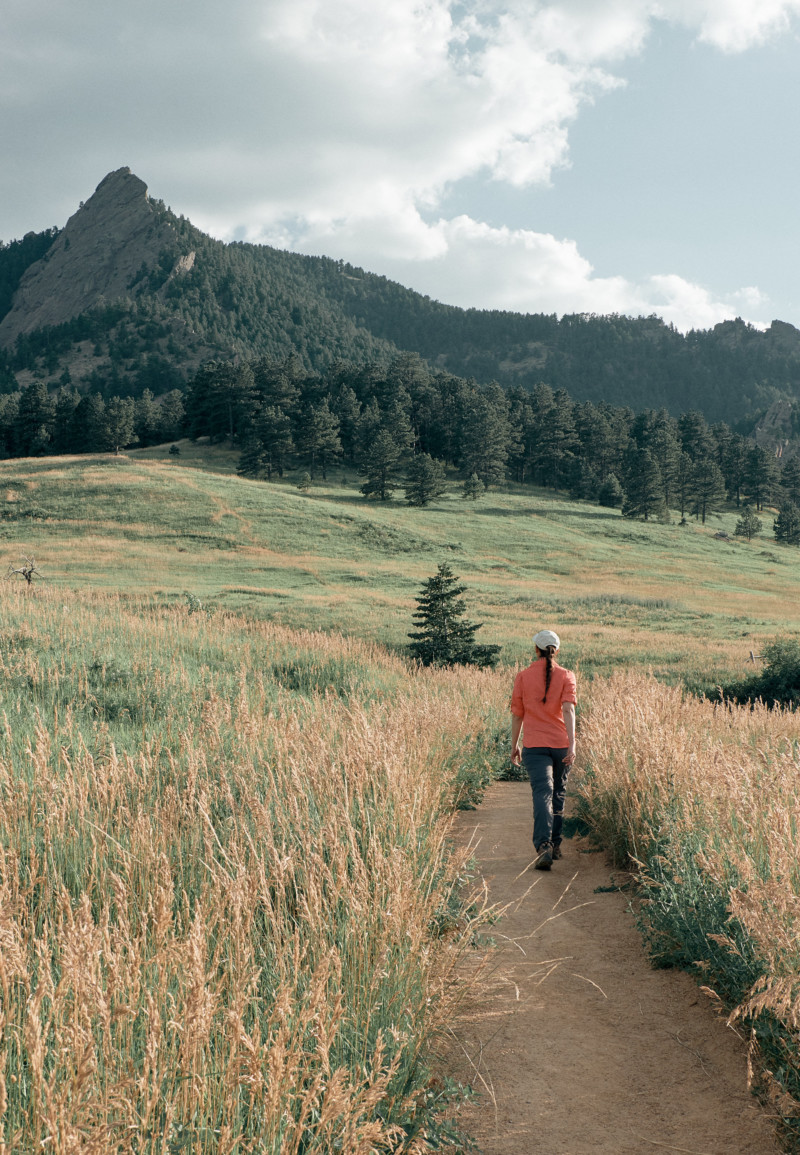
(95, 259)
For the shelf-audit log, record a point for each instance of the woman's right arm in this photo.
(568, 713)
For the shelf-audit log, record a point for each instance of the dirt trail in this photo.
(578, 1045)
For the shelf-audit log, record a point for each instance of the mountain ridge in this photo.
(126, 286)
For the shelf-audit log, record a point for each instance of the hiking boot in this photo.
(557, 851)
(544, 859)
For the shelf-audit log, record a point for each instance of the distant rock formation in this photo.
(775, 431)
(94, 260)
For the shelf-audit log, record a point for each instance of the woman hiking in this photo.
(543, 708)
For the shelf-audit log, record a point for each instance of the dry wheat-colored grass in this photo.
(705, 798)
(220, 899)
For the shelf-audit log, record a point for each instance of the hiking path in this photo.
(576, 1045)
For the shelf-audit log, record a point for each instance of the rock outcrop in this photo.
(94, 260)
(775, 430)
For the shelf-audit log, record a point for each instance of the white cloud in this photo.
(339, 127)
(731, 25)
(472, 264)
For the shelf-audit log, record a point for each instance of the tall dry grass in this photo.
(705, 798)
(224, 875)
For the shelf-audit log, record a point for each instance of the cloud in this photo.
(472, 264)
(732, 25)
(324, 126)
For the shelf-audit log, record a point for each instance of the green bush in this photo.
(778, 684)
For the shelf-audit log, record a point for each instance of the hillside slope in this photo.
(127, 282)
(619, 590)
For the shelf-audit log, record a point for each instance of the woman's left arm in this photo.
(516, 726)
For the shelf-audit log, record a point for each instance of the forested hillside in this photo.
(191, 298)
(403, 427)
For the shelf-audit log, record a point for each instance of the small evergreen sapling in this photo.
(443, 639)
(748, 525)
(473, 488)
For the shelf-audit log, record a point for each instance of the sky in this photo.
(604, 156)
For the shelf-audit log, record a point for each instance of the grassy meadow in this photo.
(668, 596)
(230, 916)
(229, 913)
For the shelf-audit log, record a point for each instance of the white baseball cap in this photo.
(546, 638)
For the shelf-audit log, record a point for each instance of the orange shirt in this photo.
(543, 722)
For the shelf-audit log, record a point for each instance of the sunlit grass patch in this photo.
(223, 870)
(140, 523)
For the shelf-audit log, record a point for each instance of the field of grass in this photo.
(620, 592)
(705, 800)
(229, 912)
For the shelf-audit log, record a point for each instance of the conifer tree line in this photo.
(36, 422)
(403, 425)
(406, 426)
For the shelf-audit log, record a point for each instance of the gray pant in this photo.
(548, 776)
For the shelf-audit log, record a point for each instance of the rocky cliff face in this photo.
(95, 259)
(775, 432)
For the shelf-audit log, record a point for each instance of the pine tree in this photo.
(542, 409)
(119, 423)
(473, 488)
(694, 435)
(253, 458)
(683, 483)
(644, 491)
(34, 426)
(266, 448)
(760, 476)
(666, 452)
(597, 438)
(790, 480)
(347, 408)
(486, 436)
(610, 493)
(146, 419)
(367, 427)
(748, 525)
(786, 526)
(378, 464)
(88, 428)
(222, 400)
(584, 483)
(171, 416)
(443, 639)
(67, 402)
(707, 487)
(318, 437)
(395, 419)
(425, 480)
(734, 464)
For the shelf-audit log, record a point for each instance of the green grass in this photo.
(669, 596)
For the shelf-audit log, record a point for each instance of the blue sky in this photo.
(635, 156)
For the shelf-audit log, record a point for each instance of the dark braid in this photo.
(548, 653)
